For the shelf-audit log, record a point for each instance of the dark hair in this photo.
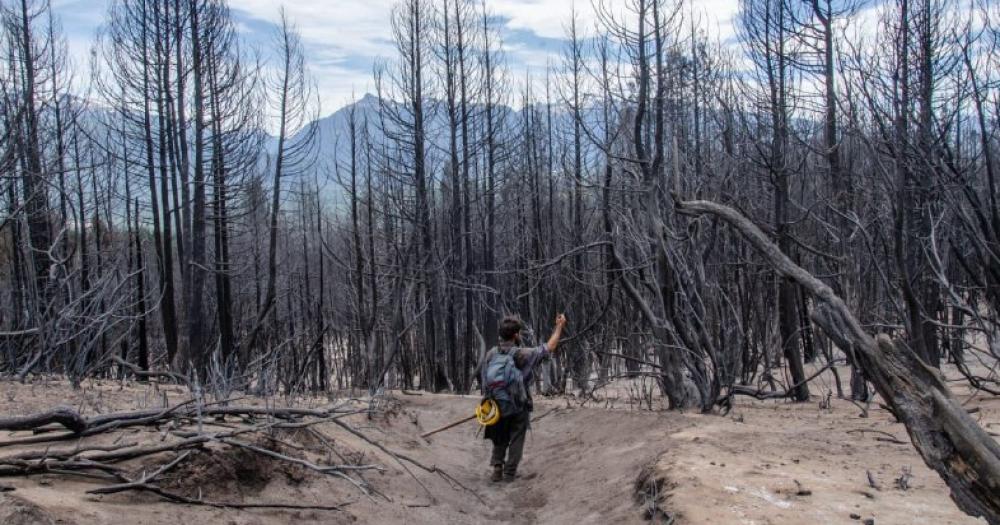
(510, 326)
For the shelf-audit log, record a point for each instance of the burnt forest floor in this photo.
(600, 461)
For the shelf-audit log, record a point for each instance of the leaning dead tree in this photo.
(949, 441)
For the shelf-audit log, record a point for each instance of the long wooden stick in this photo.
(449, 425)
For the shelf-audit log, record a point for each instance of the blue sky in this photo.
(344, 37)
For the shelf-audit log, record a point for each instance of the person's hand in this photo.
(556, 333)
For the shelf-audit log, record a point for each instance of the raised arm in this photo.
(556, 333)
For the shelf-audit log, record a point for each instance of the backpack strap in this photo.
(505, 349)
(486, 364)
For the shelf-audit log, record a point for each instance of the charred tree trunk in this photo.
(949, 440)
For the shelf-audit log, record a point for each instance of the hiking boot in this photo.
(509, 474)
(497, 473)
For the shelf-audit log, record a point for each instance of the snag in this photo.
(942, 432)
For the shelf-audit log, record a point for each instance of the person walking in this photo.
(505, 375)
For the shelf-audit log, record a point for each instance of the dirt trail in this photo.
(580, 466)
(764, 463)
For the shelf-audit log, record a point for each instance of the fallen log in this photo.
(82, 427)
(62, 415)
(145, 479)
(147, 374)
(949, 441)
(35, 464)
(70, 452)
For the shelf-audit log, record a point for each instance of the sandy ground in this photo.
(765, 462)
(795, 463)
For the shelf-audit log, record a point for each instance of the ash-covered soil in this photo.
(603, 461)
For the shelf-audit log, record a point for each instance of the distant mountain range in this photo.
(334, 129)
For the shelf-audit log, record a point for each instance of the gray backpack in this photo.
(504, 383)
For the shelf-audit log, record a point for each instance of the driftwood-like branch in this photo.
(146, 374)
(886, 437)
(70, 452)
(24, 467)
(90, 426)
(62, 415)
(39, 463)
(949, 441)
(147, 478)
(756, 393)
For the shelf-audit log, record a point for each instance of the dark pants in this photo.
(508, 440)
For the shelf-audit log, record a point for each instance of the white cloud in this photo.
(717, 17)
(545, 18)
(334, 33)
(356, 27)
(549, 18)
(343, 37)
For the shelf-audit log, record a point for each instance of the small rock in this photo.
(869, 521)
(855, 516)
